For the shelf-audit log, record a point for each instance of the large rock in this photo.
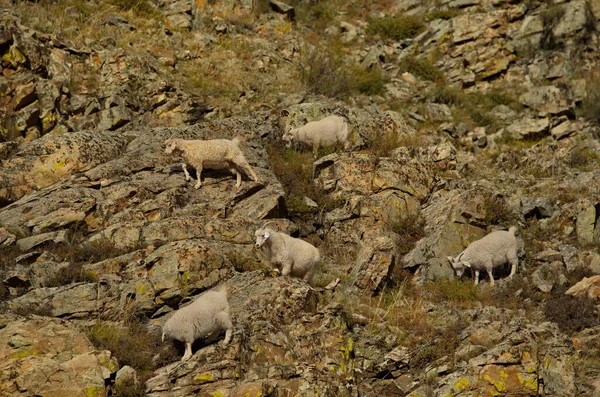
(503, 353)
(283, 342)
(49, 357)
(47, 160)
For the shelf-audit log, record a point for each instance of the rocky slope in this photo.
(483, 116)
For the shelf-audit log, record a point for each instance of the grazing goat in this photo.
(325, 132)
(214, 154)
(296, 257)
(493, 250)
(203, 318)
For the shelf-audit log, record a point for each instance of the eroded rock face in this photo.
(45, 356)
(282, 343)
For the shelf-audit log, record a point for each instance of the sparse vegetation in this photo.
(398, 27)
(497, 211)
(294, 171)
(423, 68)
(72, 273)
(132, 345)
(324, 71)
(571, 313)
(590, 105)
(409, 228)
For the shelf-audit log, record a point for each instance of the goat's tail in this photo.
(222, 288)
(513, 229)
(236, 140)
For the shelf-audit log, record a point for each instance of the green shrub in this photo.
(590, 105)
(462, 293)
(497, 211)
(370, 81)
(447, 13)
(397, 27)
(422, 68)
(294, 170)
(129, 389)
(323, 71)
(132, 345)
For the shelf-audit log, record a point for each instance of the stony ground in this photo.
(466, 116)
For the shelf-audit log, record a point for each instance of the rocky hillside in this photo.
(466, 116)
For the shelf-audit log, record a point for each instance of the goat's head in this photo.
(288, 136)
(458, 265)
(262, 235)
(171, 145)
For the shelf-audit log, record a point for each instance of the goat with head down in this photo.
(325, 132)
(493, 250)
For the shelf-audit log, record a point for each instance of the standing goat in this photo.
(295, 257)
(493, 250)
(203, 318)
(325, 132)
(214, 154)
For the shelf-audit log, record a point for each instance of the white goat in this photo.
(203, 318)
(296, 257)
(325, 132)
(493, 250)
(214, 154)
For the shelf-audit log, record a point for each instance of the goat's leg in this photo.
(489, 272)
(286, 268)
(188, 352)
(225, 322)
(238, 175)
(199, 176)
(185, 171)
(476, 277)
(514, 262)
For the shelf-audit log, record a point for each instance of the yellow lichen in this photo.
(218, 393)
(204, 378)
(461, 384)
(24, 353)
(94, 391)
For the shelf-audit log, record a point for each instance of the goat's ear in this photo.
(450, 259)
(267, 235)
(467, 264)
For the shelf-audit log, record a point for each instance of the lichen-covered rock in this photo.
(44, 356)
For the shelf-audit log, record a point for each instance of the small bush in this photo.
(382, 145)
(422, 68)
(447, 13)
(132, 345)
(294, 170)
(244, 263)
(462, 293)
(80, 252)
(129, 389)
(324, 73)
(571, 313)
(141, 8)
(409, 229)
(397, 27)
(583, 158)
(497, 211)
(590, 105)
(73, 273)
(370, 82)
